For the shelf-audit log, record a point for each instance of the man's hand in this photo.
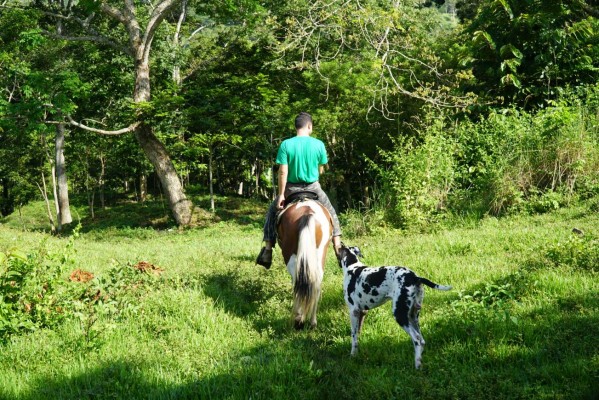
(281, 202)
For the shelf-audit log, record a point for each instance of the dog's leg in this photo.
(356, 317)
(361, 320)
(404, 315)
(417, 338)
(415, 325)
(418, 342)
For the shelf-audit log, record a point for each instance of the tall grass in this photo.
(520, 323)
(508, 161)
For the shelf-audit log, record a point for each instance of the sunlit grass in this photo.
(214, 325)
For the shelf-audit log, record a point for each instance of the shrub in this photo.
(32, 291)
(510, 160)
(540, 203)
(419, 178)
(35, 292)
(580, 252)
(358, 223)
(513, 157)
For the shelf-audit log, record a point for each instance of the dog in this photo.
(365, 288)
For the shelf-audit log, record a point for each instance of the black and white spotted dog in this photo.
(365, 288)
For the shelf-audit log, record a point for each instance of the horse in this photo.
(304, 231)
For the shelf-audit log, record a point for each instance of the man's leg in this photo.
(270, 237)
(324, 199)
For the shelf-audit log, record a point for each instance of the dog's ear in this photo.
(355, 250)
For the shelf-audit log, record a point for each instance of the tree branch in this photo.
(128, 129)
(156, 18)
(85, 24)
(592, 11)
(113, 12)
(403, 69)
(92, 38)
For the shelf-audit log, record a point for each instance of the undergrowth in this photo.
(199, 319)
(43, 288)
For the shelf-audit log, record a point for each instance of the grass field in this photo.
(521, 323)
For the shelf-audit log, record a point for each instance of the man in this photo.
(301, 160)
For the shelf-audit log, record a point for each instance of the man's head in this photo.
(303, 120)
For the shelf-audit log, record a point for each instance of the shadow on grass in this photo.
(127, 214)
(258, 374)
(542, 354)
(151, 214)
(261, 297)
(550, 357)
(155, 214)
(247, 294)
(235, 294)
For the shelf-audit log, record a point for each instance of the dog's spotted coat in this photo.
(365, 288)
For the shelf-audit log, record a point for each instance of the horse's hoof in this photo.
(299, 325)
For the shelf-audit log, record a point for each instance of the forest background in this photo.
(428, 109)
(137, 146)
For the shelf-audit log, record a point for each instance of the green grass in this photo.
(521, 323)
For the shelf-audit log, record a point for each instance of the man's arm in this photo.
(283, 172)
(321, 169)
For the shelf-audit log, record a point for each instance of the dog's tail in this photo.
(433, 284)
(308, 273)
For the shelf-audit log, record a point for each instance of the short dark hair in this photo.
(302, 120)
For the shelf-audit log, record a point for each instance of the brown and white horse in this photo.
(304, 232)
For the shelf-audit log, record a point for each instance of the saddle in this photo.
(301, 195)
(296, 197)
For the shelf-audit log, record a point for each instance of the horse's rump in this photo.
(304, 232)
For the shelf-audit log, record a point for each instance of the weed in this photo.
(33, 291)
(111, 298)
(579, 252)
(496, 297)
(198, 319)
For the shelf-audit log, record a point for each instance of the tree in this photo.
(90, 21)
(528, 51)
(28, 92)
(393, 39)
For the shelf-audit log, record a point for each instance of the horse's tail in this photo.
(308, 274)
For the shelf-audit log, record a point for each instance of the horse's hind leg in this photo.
(298, 317)
(298, 312)
(313, 321)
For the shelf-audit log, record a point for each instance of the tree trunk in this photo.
(55, 196)
(171, 185)
(143, 187)
(257, 173)
(177, 67)
(64, 211)
(210, 180)
(156, 152)
(7, 205)
(44, 192)
(101, 181)
(88, 186)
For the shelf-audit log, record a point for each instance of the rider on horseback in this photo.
(301, 160)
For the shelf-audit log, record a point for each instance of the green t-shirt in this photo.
(303, 155)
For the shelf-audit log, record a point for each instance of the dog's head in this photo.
(348, 255)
